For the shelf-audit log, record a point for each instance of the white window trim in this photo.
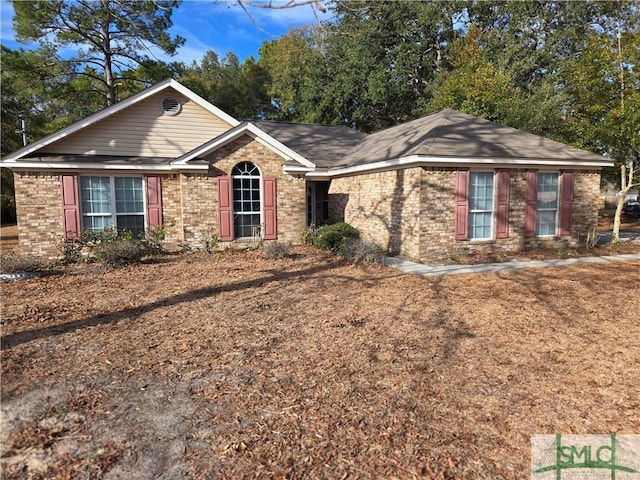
(557, 209)
(112, 204)
(261, 187)
(492, 211)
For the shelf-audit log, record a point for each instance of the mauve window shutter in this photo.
(461, 214)
(502, 212)
(154, 200)
(566, 203)
(269, 207)
(225, 209)
(531, 198)
(70, 206)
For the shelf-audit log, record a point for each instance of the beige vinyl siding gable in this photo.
(145, 130)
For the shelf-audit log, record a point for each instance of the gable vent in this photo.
(170, 106)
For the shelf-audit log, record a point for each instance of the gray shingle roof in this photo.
(324, 145)
(449, 133)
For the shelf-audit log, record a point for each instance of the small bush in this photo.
(277, 250)
(154, 237)
(362, 251)
(123, 251)
(333, 237)
(71, 250)
(21, 264)
(309, 234)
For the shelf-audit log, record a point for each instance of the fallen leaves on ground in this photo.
(234, 366)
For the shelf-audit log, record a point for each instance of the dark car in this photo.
(631, 210)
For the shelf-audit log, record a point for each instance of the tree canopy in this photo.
(109, 36)
(564, 70)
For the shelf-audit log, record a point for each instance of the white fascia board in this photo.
(203, 103)
(258, 134)
(84, 166)
(297, 169)
(190, 167)
(211, 145)
(427, 161)
(115, 108)
(104, 167)
(278, 147)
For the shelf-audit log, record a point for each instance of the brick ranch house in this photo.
(444, 184)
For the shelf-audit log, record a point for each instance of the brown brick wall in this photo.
(366, 201)
(290, 191)
(199, 209)
(172, 211)
(39, 210)
(408, 212)
(385, 207)
(586, 200)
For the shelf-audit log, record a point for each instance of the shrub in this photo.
(153, 238)
(71, 250)
(21, 263)
(122, 251)
(277, 250)
(362, 251)
(333, 237)
(309, 234)
(210, 240)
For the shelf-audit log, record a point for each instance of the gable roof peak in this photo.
(118, 107)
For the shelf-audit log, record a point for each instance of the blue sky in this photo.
(220, 25)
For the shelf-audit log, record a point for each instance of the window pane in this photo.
(547, 204)
(129, 195)
(481, 191)
(131, 223)
(546, 221)
(244, 224)
(95, 195)
(480, 225)
(96, 223)
(246, 199)
(548, 190)
(480, 205)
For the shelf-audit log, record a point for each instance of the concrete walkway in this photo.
(420, 269)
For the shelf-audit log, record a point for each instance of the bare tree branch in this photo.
(315, 4)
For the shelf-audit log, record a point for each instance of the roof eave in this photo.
(430, 161)
(17, 165)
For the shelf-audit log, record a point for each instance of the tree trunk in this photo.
(615, 238)
(110, 81)
(627, 183)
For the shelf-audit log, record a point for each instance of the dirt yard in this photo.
(233, 366)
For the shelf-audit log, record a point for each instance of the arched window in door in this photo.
(246, 199)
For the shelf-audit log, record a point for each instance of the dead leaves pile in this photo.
(234, 366)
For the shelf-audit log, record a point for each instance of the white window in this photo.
(547, 204)
(480, 205)
(107, 201)
(246, 199)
